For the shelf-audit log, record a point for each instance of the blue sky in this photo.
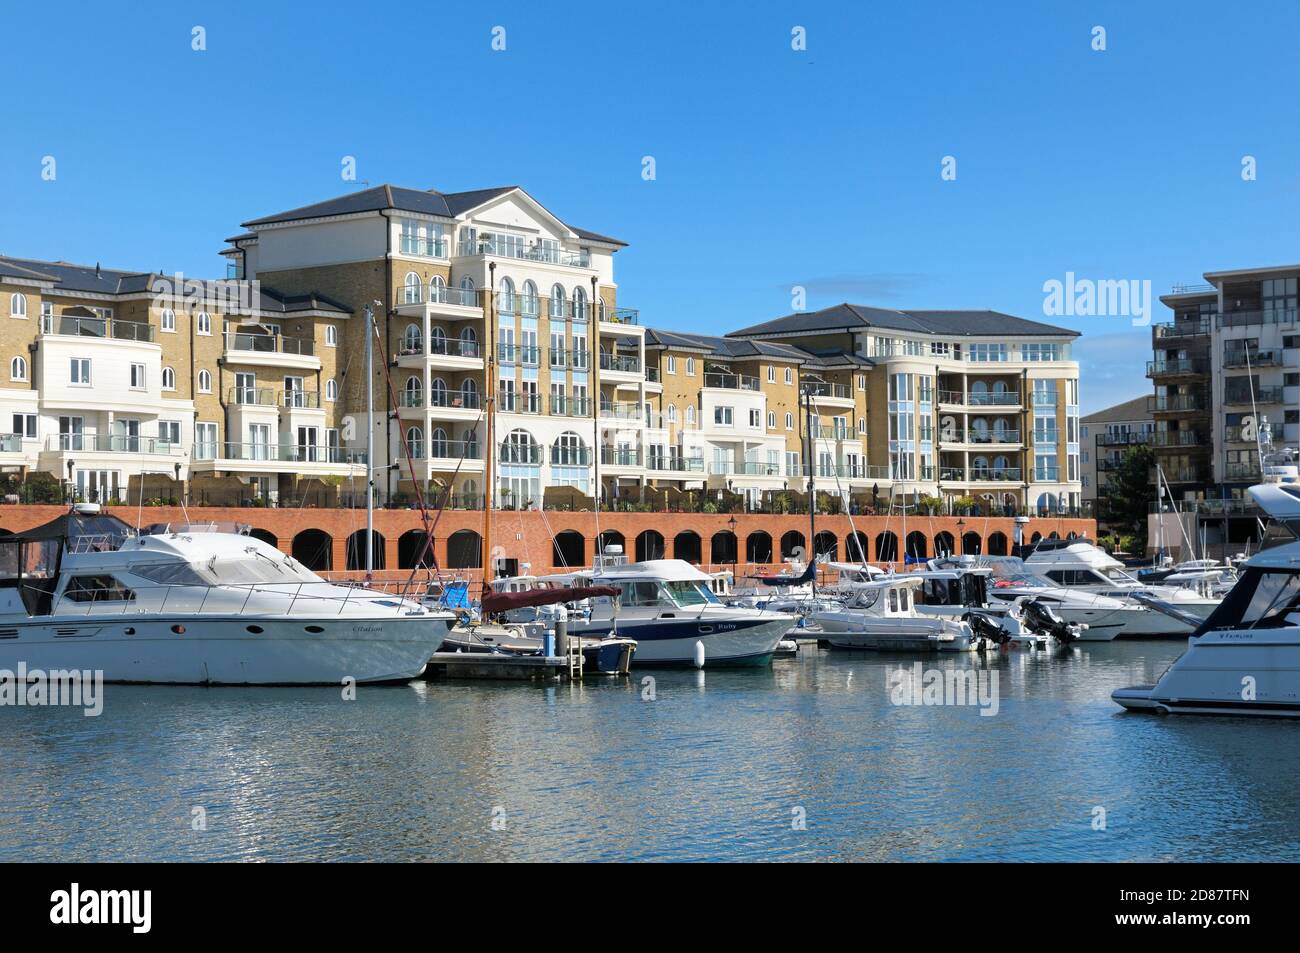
(774, 168)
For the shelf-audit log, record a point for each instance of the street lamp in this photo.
(735, 548)
(71, 489)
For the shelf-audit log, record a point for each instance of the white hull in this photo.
(856, 630)
(215, 650)
(725, 641)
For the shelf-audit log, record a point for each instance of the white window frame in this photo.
(205, 381)
(18, 306)
(332, 389)
(18, 368)
(789, 375)
(79, 367)
(331, 335)
(168, 321)
(169, 378)
(204, 324)
(138, 379)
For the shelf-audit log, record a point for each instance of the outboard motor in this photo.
(1040, 616)
(987, 629)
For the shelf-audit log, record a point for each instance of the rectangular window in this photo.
(25, 426)
(722, 416)
(755, 417)
(169, 431)
(137, 377)
(47, 317)
(79, 372)
(205, 441)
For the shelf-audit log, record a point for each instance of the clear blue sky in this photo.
(774, 168)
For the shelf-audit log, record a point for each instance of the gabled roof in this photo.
(855, 317)
(721, 346)
(88, 278)
(395, 197)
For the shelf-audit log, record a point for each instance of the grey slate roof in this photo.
(429, 202)
(737, 349)
(843, 317)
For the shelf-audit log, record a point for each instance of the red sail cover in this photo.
(495, 602)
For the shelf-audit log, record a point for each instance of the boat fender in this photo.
(699, 653)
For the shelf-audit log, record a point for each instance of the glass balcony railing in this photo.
(467, 399)
(675, 462)
(1124, 439)
(513, 246)
(251, 396)
(112, 329)
(11, 443)
(425, 247)
(269, 344)
(1168, 367)
(1175, 402)
(1238, 470)
(1176, 438)
(111, 443)
(570, 406)
(288, 453)
(300, 399)
(519, 402)
(620, 363)
(980, 398)
(980, 436)
(826, 389)
(1262, 395)
(519, 453)
(620, 457)
(620, 410)
(1239, 357)
(730, 381)
(569, 456)
(436, 294)
(1237, 319)
(445, 449)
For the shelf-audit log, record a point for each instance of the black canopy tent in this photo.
(30, 560)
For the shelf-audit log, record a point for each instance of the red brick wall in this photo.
(526, 536)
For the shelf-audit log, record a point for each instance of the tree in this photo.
(1129, 492)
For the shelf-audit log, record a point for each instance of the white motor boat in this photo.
(196, 606)
(1079, 565)
(668, 607)
(881, 615)
(1245, 658)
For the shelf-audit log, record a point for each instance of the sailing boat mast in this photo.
(370, 441)
(812, 486)
(489, 457)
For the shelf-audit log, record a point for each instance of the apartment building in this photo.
(957, 404)
(259, 381)
(1226, 365)
(115, 375)
(1106, 436)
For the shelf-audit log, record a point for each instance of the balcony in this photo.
(824, 432)
(652, 375)
(570, 406)
(528, 454)
(110, 329)
(1252, 357)
(111, 443)
(1264, 395)
(414, 294)
(454, 399)
(980, 398)
(519, 402)
(446, 450)
(620, 457)
(11, 443)
(527, 355)
(620, 410)
(980, 475)
(981, 437)
(1238, 319)
(730, 381)
(251, 396)
(514, 246)
(1176, 403)
(269, 344)
(570, 456)
(1179, 475)
(1175, 367)
(620, 363)
(825, 389)
(281, 453)
(1181, 329)
(423, 247)
(1163, 439)
(1124, 439)
(1238, 470)
(300, 399)
(1047, 474)
(674, 462)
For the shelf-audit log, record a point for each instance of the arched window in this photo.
(437, 340)
(331, 336)
(672, 413)
(557, 302)
(690, 415)
(205, 382)
(412, 339)
(17, 305)
(568, 450)
(470, 437)
(467, 296)
(413, 393)
(412, 286)
(520, 447)
(168, 378)
(438, 393)
(579, 304)
(789, 421)
(469, 392)
(331, 390)
(415, 442)
(18, 369)
(168, 320)
(529, 303)
(468, 342)
(439, 446)
(437, 289)
(506, 299)
(205, 323)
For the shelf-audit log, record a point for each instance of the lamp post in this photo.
(735, 548)
(71, 486)
(177, 467)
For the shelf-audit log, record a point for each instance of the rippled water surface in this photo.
(719, 765)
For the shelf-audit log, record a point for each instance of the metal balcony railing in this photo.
(1176, 438)
(251, 396)
(1176, 402)
(436, 449)
(570, 406)
(426, 247)
(569, 456)
(300, 399)
(269, 344)
(1134, 438)
(1252, 357)
(620, 456)
(111, 443)
(1185, 328)
(621, 363)
(1237, 470)
(1237, 319)
(1167, 367)
(676, 462)
(515, 246)
(1263, 395)
(620, 410)
(519, 453)
(436, 294)
(980, 436)
(468, 399)
(730, 381)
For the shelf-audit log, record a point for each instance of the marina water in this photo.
(807, 760)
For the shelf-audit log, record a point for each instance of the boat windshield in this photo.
(686, 593)
(226, 572)
(1263, 599)
(1121, 577)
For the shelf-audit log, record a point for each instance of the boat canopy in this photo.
(494, 601)
(74, 526)
(799, 580)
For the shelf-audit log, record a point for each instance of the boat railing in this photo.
(231, 599)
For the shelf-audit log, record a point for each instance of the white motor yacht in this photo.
(668, 607)
(881, 615)
(1245, 658)
(190, 605)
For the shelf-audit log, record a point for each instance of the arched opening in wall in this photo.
(944, 544)
(414, 551)
(314, 548)
(916, 544)
(267, 537)
(1033, 540)
(723, 548)
(357, 550)
(886, 547)
(569, 550)
(997, 544)
(758, 547)
(857, 547)
(970, 544)
(1071, 535)
(649, 545)
(1054, 535)
(825, 544)
(686, 545)
(794, 545)
(611, 538)
(464, 550)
